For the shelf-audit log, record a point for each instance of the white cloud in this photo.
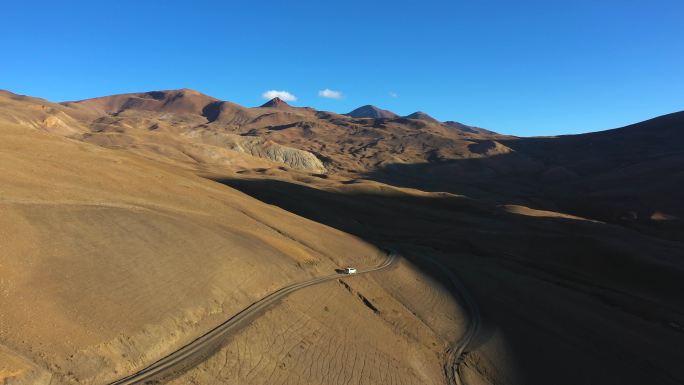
(283, 95)
(330, 94)
(393, 94)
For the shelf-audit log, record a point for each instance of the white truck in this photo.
(349, 270)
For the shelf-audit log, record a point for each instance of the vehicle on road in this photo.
(349, 270)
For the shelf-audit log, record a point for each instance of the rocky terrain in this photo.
(136, 222)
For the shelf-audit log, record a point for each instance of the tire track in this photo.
(204, 343)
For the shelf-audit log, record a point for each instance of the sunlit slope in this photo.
(110, 261)
(389, 327)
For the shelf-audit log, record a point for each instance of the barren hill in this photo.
(125, 237)
(111, 261)
(183, 101)
(626, 175)
(165, 125)
(587, 175)
(369, 111)
(275, 103)
(420, 115)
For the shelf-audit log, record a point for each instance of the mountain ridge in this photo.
(275, 103)
(370, 111)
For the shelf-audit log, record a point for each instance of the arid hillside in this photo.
(111, 261)
(627, 175)
(630, 176)
(339, 143)
(564, 299)
(134, 223)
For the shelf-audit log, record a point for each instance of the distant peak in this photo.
(189, 91)
(172, 93)
(184, 100)
(275, 103)
(466, 128)
(420, 115)
(370, 111)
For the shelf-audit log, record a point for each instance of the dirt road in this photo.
(205, 343)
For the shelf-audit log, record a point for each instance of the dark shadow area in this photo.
(212, 111)
(574, 301)
(632, 176)
(282, 126)
(305, 126)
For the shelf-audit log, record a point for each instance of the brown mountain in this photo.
(586, 175)
(369, 111)
(121, 224)
(183, 101)
(130, 256)
(624, 175)
(195, 129)
(420, 115)
(465, 128)
(275, 103)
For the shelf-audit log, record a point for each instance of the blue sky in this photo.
(524, 67)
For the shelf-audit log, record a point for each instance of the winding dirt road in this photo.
(456, 353)
(210, 340)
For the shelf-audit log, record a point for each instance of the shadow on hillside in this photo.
(642, 193)
(540, 282)
(503, 178)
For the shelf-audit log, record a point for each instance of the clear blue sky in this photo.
(525, 67)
